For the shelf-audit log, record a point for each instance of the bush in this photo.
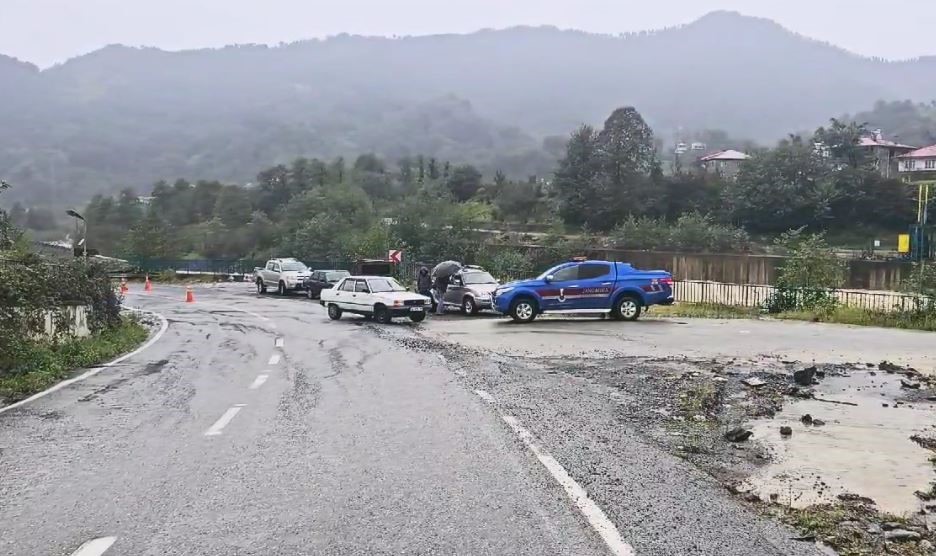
(809, 275)
(38, 365)
(692, 232)
(31, 288)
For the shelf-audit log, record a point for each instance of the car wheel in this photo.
(628, 308)
(382, 315)
(309, 294)
(418, 317)
(281, 289)
(468, 306)
(334, 312)
(261, 287)
(523, 310)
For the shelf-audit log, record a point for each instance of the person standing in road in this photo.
(424, 282)
(441, 284)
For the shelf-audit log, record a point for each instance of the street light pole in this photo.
(77, 217)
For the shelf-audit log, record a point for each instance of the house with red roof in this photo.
(920, 163)
(885, 153)
(725, 163)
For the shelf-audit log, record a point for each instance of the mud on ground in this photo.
(848, 475)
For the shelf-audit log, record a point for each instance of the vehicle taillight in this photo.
(668, 281)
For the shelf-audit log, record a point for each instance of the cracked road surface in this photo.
(256, 426)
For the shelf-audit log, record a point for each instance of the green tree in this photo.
(576, 182)
(149, 238)
(233, 206)
(464, 182)
(628, 164)
(9, 234)
(841, 143)
(518, 201)
(781, 188)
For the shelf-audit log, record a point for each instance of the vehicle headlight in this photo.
(502, 291)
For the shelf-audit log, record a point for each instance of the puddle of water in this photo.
(865, 449)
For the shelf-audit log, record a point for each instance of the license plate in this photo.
(416, 309)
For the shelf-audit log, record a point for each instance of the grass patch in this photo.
(699, 399)
(911, 320)
(845, 527)
(40, 365)
(705, 311)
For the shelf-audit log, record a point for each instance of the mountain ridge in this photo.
(128, 116)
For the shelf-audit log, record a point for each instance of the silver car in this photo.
(471, 289)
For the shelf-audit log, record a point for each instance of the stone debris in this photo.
(786, 431)
(901, 535)
(805, 377)
(738, 435)
(753, 382)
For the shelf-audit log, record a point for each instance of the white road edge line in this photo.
(258, 382)
(225, 420)
(280, 342)
(274, 359)
(485, 396)
(95, 547)
(592, 513)
(164, 325)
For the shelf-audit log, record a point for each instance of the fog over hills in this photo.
(125, 116)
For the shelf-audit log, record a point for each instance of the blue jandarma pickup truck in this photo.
(584, 286)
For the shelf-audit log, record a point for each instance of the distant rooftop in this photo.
(925, 152)
(725, 155)
(876, 139)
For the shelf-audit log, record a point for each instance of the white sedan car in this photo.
(379, 297)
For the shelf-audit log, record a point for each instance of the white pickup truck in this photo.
(377, 297)
(285, 275)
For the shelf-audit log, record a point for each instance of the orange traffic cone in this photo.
(123, 286)
(189, 295)
(148, 286)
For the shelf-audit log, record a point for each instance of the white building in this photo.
(724, 163)
(920, 161)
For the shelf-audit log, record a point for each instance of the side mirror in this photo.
(550, 278)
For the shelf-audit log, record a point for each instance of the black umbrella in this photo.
(446, 269)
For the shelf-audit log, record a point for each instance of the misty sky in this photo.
(49, 31)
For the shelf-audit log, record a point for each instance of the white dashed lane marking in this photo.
(258, 382)
(224, 421)
(274, 359)
(279, 342)
(95, 547)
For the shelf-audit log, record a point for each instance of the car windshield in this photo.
(478, 278)
(333, 277)
(380, 285)
(294, 266)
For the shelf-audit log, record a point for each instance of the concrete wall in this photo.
(754, 269)
(77, 318)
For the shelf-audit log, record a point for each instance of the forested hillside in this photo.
(608, 182)
(126, 117)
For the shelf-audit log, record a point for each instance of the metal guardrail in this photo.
(749, 295)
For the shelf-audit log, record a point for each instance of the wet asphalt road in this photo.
(357, 441)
